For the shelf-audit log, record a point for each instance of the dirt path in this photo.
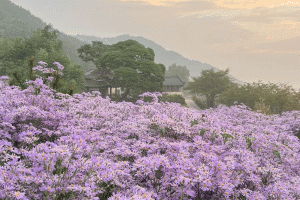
(189, 101)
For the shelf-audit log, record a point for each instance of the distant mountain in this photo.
(162, 55)
(15, 22)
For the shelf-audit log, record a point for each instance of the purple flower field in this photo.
(55, 146)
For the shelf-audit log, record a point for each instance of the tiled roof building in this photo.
(95, 83)
(173, 84)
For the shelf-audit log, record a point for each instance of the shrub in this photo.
(174, 98)
(56, 146)
(261, 107)
(200, 103)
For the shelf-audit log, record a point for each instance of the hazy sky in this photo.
(257, 39)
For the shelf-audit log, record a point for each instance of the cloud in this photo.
(241, 39)
(191, 6)
(290, 45)
(267, 15)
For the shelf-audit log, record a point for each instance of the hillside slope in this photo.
(16, 21)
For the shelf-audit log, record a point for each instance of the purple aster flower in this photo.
(59, 66)
(4, 77)
(42, 63)
(50, 78)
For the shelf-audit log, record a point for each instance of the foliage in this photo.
(173, 98)
(200, 103)
(262, 107)
(181, 71)
(15, 58)
(210, 84)
(16, 21)
(126, 63)
(125, 77)
(274, 98)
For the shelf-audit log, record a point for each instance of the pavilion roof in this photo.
(173, 80)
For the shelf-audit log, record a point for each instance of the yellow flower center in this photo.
(17, 194)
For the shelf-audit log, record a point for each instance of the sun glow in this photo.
(287, 3)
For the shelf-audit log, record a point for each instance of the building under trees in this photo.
(172, 84)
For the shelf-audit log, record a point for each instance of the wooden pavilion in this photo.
(172, 84)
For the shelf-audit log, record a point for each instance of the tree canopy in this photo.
(44, 46)
(278, 98)
(181, 71)
(126, 64)
(210, 84)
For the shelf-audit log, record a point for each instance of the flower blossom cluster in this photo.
(57, 146)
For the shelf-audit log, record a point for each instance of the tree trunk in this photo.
(124, 95)
(210, 101)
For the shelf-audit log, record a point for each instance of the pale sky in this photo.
(256, 40)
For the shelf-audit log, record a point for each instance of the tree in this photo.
(42, 46)
(247, 94)
(17, 53)
(5, 65)
(181, 71)
(75, 76)
(210, 84)
(278, 98)
(126, 63)
(19, 80)
(281, 98)
(174, 98)
(126, 77)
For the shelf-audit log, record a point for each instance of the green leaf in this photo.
(275, 145)
(194, 122)
(144, 152)
(276, 153)
(45, 166)
(249, 143)
(88, 175)
(226, 136)
(74, 173)
(159, 174)
(202, 132)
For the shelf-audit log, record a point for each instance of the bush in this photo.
(174, 98)
(276, 98)
(57, 146)
(200, 103)
(262, 107)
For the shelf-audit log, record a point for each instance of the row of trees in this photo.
(267, 98)
(126, 64)
(130, 65)
(218, 88)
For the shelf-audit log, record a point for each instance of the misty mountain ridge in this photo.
(16, 21)
(163, 56)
